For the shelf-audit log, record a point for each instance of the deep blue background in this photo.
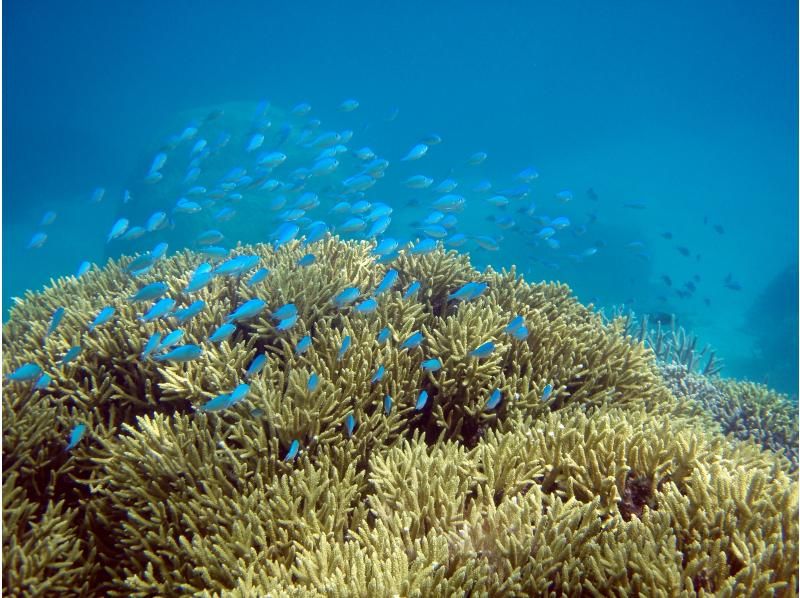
(689, 106)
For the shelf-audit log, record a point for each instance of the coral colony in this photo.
(280, 425)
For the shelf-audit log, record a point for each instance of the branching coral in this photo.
(610, 485)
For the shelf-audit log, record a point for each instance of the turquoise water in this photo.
(681, 118)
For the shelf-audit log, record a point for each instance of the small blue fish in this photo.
(182, 315)
(367, 306)
(55, 320)
(387, 283)
(43, 382)
(514, 324)
(415, 153)
(423, 247)
(104, 316)
(469, 291)
(349, 424)
(236, 266)
(75, 436)
(346, 297)
(307, 260)
(37, 240)
(316, 231)
(384, 335)
(71, 355)
(247, 310)
(222, 333)
(412, 289)
(521, 333)
(27, 371)
(494, 399)
(287, 323)
(293, 449)
(180, 354)
(303, 345)
(378, 375)
(285, 233)
(172, 339)
(483, 351)
(149, 292)
(431, 365)
(421, 400)
(385, 247)
(256, 365)
(224, 401)
(345, 346)
(257, 277)
(151, 344)
(547, 391)
(83, 269)
(413, 341)
(159, 310)
(387, 404)
(199, 280)
(285, 311)
(313, 382)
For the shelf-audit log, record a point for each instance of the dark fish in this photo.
(592, 194)
(667, 280)
(667, 235)
(684, 251)
(719, 229)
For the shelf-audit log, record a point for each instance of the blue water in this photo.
(687, 108)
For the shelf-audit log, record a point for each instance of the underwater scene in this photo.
(400, 299)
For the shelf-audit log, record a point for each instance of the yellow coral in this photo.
(611, 486)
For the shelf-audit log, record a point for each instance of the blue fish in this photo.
(303, 345)
(547, 391)
(222, 333)
(412, 289)
(494, 399)
(104, 316)
(521, 333)
(173, 338)
(236, 266)
(345, 346)
(423, 247)
(378, 375)
(55, 320)
(421, 400)
(151, 344)
(316, 231)
(367, 306)
(384, 335)
(515, 323)
(247, 310)
(379, 227)
(75, 436)
(469, 291)
(313, 382)
(293, 449)
(256, 365)
(285, 233)
(483, 351)
(346, 297)
(257, 277)
(287, 323)
(71, 355)
(350, 424)
(182, 315)
(386, 246)
(413, 341)
(387, 404)
(83, 268)
(431, 365)
(180, 354)
(307, 260)
(387, 283)
(285, 311)
(224, 401)
(150, 292)
(27, 371)
(43, 382)
(160, 309)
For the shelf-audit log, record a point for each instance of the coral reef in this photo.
(744, 409)
(589, 477)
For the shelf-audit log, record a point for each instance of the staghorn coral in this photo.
(743, 409)
(611, 486)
